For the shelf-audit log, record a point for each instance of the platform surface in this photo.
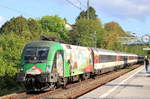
(133, 85)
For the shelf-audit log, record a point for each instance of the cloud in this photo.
(124, 9)
(1, 19)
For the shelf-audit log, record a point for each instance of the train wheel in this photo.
(80, 78)
(63, 82)
(52, 86)
(86, 76)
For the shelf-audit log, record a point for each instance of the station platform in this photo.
(133, 85)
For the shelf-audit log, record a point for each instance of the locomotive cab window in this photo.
(36, 54)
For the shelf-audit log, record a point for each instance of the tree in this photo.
(82, 15)
(16, 25)
(11, 46)
(11, 49)
(53, 25)
(35, 28)
(115, 28)
(89, 13)
(87, 30)
(114, 31)
(84, 32)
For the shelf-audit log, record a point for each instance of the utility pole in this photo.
(79, 37)
(88, 4)
(95, 40)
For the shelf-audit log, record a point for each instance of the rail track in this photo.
(74, 90)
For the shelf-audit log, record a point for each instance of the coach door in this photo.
(125, 61)
(58, 65)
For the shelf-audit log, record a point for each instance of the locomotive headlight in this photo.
(48, 68)
(21, 69)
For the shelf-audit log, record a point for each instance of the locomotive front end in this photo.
(36, 64)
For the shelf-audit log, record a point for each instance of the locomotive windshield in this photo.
(36, 54)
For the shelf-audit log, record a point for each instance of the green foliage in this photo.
(114, 27)
(87, 29)
(84, 30)
(17, 32)
(11, 46)
(114, 31)
(53, 24)
(15, 25)
(35, 28)
(88, 14)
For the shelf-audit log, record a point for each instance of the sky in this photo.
(132, 15)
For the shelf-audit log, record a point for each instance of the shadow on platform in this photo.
(124, 85)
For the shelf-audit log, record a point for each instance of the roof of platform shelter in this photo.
(146, 49)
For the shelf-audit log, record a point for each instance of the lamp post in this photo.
(95, 40)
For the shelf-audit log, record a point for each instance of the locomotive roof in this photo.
(96, 50)
(39, 44)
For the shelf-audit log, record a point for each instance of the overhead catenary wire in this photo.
(15, 10)
(79, 3)
(73, 4)
(83, 4)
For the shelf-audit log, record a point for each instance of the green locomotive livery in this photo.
(46, 64)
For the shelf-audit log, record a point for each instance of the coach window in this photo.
(121, 58)
(107, 58)
(104, 58)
